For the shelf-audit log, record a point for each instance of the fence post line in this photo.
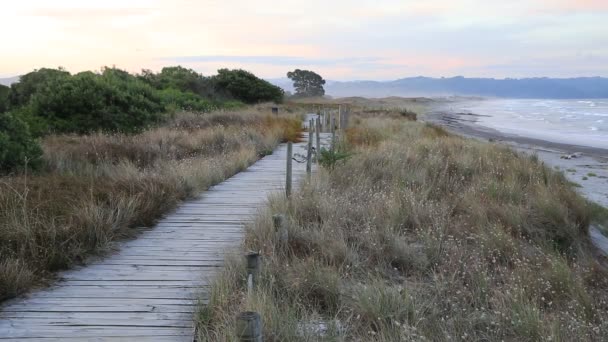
(249, 327)
(309, 147)
(289, 167)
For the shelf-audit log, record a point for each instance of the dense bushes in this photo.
(17, 147)
(54, 101)
(180, 78)
(30, 83)
(86, 102)
(4, 93)
(173, 99)
(245, 86)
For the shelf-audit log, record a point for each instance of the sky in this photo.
(340, 39)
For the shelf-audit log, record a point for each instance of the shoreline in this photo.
(466, 124)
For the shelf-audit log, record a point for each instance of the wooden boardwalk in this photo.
(148, 290)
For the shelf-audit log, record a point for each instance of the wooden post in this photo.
(278, 221)
(346, 115)
(318, 150)
(253, 270)
(339, 117)
(289, 166)
(309, 154)
(323, 122)
(249, 327)
(333, 133)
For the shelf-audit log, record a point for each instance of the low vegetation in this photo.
(419, 235)
(91, 190)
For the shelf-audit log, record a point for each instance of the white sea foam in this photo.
(567, 121)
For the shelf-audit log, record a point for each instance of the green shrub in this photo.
(176, 99)
(17, 147)
(328, 158)
(30, 83)
(245, 86)
(86, 102)
(4, 93)
(180, 78)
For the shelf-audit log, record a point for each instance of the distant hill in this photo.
(555, 88)
(9, 81)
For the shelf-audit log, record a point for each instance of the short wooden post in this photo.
(346, 115)
(289, 167)
(253, 269)
(323, 122)
(309, 147)
(318, 150)
(249, 327)
(278, 221)
(333, 133)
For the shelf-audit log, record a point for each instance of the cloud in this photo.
(273, 60)
(88, 13)
(575, 5)
(352, 39)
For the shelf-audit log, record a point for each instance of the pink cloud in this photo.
(82, 13)
(573, 5)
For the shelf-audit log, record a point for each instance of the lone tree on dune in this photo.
(307, 83)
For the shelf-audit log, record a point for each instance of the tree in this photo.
(307, 83)
(245, 86)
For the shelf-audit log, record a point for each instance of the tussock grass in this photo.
(96, 189)
(423, 236)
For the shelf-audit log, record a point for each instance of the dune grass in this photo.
(421, 236)
(99, 188)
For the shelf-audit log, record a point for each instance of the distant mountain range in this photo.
(9, 81)
(552, 88)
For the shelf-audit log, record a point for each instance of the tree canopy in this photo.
(307, 83)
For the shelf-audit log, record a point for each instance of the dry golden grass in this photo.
(95, 189)
(422, 236)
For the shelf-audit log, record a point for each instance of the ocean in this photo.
(577, 122)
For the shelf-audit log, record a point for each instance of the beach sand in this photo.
(588, 169)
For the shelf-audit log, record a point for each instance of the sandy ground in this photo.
(589, 169)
